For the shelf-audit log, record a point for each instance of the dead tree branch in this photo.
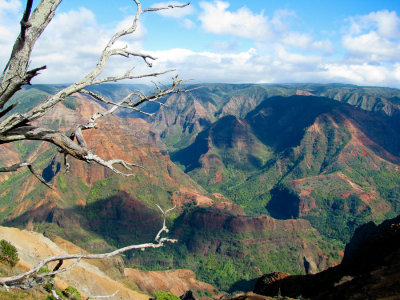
(17, 166)
(102, 297)
(17, 126)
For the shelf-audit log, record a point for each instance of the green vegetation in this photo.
(44, 270)
(70, 103)
(162, 295)
(337, 224)
(8, 253)
(223, 257)
(72, 293)
(261, 153)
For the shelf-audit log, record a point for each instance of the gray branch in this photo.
(16, 74)
(17, 166)
(102, 297)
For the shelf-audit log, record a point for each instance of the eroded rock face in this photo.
(209, 231)
(219, 219)
(90, 189)
(370, 270)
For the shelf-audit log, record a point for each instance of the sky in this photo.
(286, 41)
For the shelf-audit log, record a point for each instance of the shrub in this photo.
(8, 253)
(72, 293)
(44, 270)
(162, 295)
(48, 287)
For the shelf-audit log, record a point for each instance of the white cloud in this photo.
(364, 74)
(282, 19)
(246, 66)
(224, 46)
(9, 27)
(10, 6)
(265, 31)
(176, 13)
(243, 23)
(374, 37)
(385, 22)
(371, 47)
(72, 43)
(188, 24)
(277, 67)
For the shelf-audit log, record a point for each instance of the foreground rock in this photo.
(87, 278)
(370, 270)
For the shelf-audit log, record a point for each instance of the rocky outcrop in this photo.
(216, 220)
(370, 270)
(174, 281)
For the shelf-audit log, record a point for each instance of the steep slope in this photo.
(229, 250)
(127, 205)
(187, 114)
(228, 141)
(370, 270)
(302, 156)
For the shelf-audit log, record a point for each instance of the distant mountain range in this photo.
(265, 177)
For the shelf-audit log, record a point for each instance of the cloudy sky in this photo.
(257, 41)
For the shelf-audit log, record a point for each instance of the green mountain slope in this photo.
(271, 183)
(185, 115)
(302, 156)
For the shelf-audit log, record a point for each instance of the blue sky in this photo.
(354, 41)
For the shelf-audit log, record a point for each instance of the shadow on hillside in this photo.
(243, 286)
(284, 204)
(120, 220)
(280, 122)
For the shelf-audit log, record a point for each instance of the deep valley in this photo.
(265, 178)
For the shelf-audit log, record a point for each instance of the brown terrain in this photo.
(365, 143)
(86, 277)
(99, 277)
(128, 139)
(175, 281)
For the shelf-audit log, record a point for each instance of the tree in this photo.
(19, 126)
(16, 126)
(8, 253)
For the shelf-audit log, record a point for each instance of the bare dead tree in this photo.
(19, 126)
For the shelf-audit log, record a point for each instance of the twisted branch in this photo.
(15, 75)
